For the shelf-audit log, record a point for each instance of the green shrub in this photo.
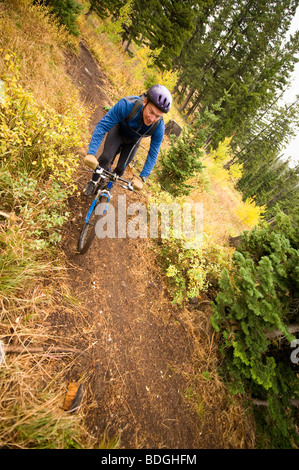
(66, 11)
(258, 297)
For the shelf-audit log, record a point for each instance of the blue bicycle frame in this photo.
(103, 193)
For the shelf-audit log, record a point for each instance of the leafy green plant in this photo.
(191, 263)
(191, 271)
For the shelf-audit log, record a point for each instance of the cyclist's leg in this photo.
(127, 154)
(112, 147)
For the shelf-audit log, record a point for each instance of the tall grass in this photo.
(39, 45)
(42, 127)
(31, 416)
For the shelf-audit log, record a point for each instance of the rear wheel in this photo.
(88, 232)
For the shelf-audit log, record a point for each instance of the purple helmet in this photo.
(160, 96)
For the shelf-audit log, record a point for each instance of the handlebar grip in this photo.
(91, 161)
(137, 183)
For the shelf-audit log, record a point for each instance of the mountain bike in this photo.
(102, 194)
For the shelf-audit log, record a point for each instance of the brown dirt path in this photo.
(139, 365)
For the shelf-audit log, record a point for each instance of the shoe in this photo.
(89, 189)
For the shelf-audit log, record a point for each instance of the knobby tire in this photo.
(88, 232)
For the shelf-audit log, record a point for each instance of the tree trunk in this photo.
(193, 107)
(91, 8)
(128, 44)
(182, 93)
(258, 402)
(271, 221)
(189, 96)
(176, 88)
(231, 162)
(282, 195)
(234, 241)
(277, 333)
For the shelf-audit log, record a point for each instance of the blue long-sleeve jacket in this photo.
(134, 129)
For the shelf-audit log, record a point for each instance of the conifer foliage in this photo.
(183, 158)
(238, 46)
(256, 304)
(66, 11)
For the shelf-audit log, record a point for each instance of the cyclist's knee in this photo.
(119, 170)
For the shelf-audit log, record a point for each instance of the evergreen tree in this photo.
(104, 8)
(66, 12)
(162, 25)
(240, 47)
(266, 176)
(183, 158)
(257, 301)
(180, 163)
(173, 25)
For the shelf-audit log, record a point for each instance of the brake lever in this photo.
(130, 187)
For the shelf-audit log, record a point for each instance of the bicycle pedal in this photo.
(89, 189)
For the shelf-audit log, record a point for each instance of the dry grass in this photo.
(38, 45)
(33, 384)
(32, 287)
(227, 413)
(219, 202)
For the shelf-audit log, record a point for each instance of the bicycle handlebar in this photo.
(91, 162)
(106, 174)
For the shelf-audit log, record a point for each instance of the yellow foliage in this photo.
(236, 171)
(38, 44)
(168, 78)
(249, 213)
(223, 151)
(145, 71)
(219, 157)
(146, 56)
(37, 138)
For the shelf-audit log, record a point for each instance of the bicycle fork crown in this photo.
(107, 192)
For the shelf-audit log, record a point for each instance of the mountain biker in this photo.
(125, 132)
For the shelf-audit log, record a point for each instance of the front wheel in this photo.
(88, 231)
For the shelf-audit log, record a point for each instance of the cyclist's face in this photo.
(151, 113)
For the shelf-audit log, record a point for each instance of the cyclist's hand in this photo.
(137, 183)
(91, 161)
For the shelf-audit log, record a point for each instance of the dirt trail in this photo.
(141, 365)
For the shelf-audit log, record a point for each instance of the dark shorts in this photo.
(116, 143)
